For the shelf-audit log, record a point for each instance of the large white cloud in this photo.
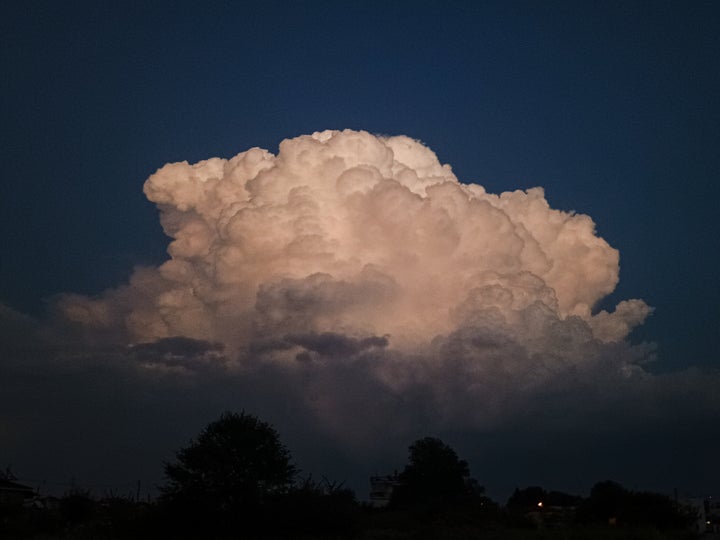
(354, 292)
(357, 234)
(362, 276)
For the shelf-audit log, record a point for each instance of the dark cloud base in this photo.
(109, 416)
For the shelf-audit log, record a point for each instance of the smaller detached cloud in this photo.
(178, 353)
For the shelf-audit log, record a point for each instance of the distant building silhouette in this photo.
(381, 489)
(13, 493)
(712, 514)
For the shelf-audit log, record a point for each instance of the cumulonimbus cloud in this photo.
(354, 293)
(364, 257)
(353, 233)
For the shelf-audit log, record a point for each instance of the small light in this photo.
(540, 504)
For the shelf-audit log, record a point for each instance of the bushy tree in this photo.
(609, 502)
(524, 500)
(234, 463)
(434, 476)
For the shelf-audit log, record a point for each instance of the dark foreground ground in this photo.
(451, 533)
(365, 525)
(314, 514)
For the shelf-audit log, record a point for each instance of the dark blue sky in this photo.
(612, 107)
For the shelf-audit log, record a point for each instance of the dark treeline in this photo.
(237, 480)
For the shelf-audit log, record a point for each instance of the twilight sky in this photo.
(359, 289)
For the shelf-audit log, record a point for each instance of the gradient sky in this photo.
(612, 107)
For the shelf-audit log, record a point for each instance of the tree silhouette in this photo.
(609, 502)
(434, 476)
(524, 500)
(234, 463)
